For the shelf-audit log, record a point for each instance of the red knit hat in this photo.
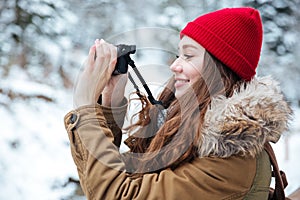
(233, 35)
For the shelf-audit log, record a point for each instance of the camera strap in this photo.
(140, 77)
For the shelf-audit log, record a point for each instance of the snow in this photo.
(36, 162)
(35, 156)
(287, 152)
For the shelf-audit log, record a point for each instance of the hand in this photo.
(96, 73)
(113, 93)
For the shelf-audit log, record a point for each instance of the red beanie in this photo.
(233, 35)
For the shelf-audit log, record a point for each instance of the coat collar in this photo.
(241, 124)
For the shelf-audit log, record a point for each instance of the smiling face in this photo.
(187, 66)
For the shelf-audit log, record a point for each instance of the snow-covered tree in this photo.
(44, 43)
(281, 19)
(34, 37)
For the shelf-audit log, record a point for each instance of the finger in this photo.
(124, 78)
(107, 54)
(113, 58)
(99, 51)
(92, 54)
(88, 64)
(103, 56)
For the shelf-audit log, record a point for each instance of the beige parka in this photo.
(231, 164)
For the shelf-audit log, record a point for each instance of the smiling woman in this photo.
(187, 67)
(217, 119)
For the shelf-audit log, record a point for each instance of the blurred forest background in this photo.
(43, 44)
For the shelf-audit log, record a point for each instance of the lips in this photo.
(181, 82)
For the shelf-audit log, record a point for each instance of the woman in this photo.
(217, 118)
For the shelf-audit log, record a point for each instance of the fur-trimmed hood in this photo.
(241, 124)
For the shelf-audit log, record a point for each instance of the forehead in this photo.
(187, 42)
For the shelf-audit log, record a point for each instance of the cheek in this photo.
(195, 71)
(194, 77)
(194, 74)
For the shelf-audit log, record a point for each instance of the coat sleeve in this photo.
(102, 172)
(115, 119)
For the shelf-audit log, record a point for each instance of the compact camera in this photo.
(123, 52)
(123, 60)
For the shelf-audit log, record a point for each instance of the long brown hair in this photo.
(175, 142)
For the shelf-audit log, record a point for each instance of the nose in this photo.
(176, 66)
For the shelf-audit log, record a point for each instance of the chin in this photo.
(182, 91)
(179, 93)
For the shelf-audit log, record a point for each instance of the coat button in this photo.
(73, 118)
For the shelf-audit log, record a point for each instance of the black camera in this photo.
(123, 60)
(123, 52)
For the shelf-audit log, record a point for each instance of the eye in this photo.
(187, 56)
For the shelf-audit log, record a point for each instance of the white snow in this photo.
(34, 150)
(287, 152)
(35, 156)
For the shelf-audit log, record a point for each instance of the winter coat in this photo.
(231, 164)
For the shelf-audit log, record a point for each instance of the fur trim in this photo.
(241, 124)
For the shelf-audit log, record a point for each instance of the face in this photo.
(187, 66)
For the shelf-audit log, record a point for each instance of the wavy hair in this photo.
(154, 148)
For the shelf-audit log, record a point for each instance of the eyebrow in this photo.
(188, 46)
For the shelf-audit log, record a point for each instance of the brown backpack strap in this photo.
(280, 178)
